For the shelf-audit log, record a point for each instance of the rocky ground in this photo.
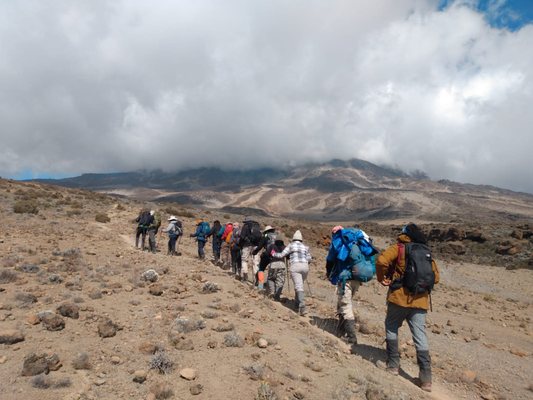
(79, 320)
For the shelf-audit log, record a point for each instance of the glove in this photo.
(272, 253)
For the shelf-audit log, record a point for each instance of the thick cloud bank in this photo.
(105, 85)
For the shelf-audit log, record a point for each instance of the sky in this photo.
(441, 86)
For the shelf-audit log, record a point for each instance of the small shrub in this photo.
(25, 299)
(26, 207)
(184, 325)
(81, 361)
(161, 391)
(102, 217)
(8, 276)
(73, 213)
(161, 363)
(44, 382)
(233, 339)
(255, 371)
(208, 314)
(265, 392)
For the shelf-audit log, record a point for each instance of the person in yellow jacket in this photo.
(403, 305)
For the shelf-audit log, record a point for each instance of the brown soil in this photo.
(479, 330)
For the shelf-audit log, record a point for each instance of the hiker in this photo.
(250, 237)
(202, 229)
(235, 250)
(269, 236)
(276, 269)
(349, 262)
(174, 230)
(299, 258)
(408, 297)
(153, 228)
(225, 251)
(216, 232)
(143, 222)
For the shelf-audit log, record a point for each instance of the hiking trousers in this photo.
(235, 260)
(416, 319)
(225, 254)
(275, 281)
(151, 239)
(299, 273)
(247, 258)
(217, 243)
(201, 251)
(141, 232)
(172, 239)
(344, 300)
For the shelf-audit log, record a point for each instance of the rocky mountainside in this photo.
(337, 190)
(83, 318)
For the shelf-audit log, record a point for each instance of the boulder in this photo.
(69, 310)
(107, 329)
(11, 336)
(189, 374)
(53, 322)
(35, 364)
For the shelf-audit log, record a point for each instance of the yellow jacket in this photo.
(388, 263)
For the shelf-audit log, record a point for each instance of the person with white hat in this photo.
(174, 230)
(299, 258)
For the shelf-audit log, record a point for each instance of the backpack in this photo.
(177, 229)
(205, 228)
(418, 277)
(145, 219)
(351, 256)
(251, 232)
(221, 231)
(363, 266)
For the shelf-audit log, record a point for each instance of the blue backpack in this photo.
(353, 256)
(205, 228)
(221, 231)
(363, 266)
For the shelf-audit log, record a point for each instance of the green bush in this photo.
(26, 207)
(102, 217)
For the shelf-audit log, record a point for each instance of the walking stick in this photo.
(288, 277)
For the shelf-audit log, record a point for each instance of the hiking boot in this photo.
(393, 355)
(426, 386)
(349, 328)
(300, 301)
(245, 277)
(424, 363)
(340, 325)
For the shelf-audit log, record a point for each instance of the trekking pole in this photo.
(288, 277)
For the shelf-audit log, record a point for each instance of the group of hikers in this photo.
(406, 268)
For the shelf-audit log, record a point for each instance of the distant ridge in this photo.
(335, 190)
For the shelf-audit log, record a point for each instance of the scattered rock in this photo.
(11, 336)
(33, 319)
(40, 364)
(196, 389)
(53, 322)
(107, 329)
(155, 289)
(148, 347)
(150, 275)
(189, 373)
(468, 376)
(115, 360)
(3, 359)
(69, 310)
(224, 327)
(55, 278)
(262, 343)
(139, 376)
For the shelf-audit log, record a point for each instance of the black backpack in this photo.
(419, 277)
(146, 219)
(251, 232)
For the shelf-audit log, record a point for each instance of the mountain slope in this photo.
(337, 190)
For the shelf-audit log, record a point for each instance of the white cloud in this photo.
(126, 84)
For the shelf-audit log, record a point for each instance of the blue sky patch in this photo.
(508, 14)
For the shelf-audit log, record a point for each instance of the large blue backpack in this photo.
(353, 255)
